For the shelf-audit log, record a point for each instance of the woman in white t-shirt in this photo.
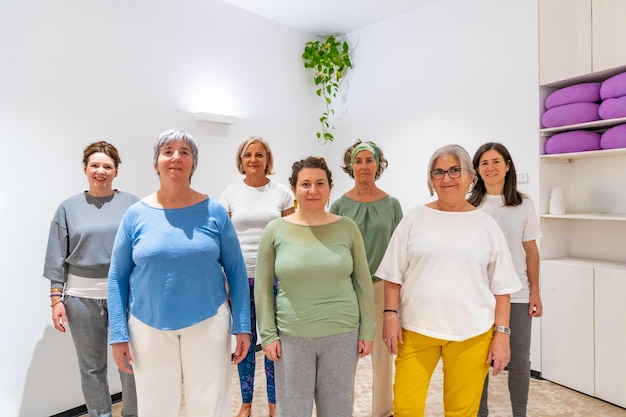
(496, 193)
(448, 275)
(251, 204)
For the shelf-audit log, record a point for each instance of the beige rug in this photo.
(546, 399)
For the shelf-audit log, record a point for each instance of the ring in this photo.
(384, 340)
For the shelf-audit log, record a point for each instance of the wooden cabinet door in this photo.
(564, 39)
(567, 335)
(609, 34)
(610, 332)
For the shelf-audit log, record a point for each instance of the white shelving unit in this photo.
(583, 252)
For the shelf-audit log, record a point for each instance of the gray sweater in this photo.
(81, 236)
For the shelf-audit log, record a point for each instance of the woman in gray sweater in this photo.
(77, 263)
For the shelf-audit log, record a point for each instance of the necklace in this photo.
(99, 202)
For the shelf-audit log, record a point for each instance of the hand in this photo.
(499, 352)
(365, 347)
(122, 356)
(392, 334)
(273, 350)
(242, 347)
(59, 318)
(535, 307)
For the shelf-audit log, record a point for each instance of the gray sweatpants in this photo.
(320, 369)
(88, 321)
(519, 365)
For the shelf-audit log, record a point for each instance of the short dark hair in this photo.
(310, 162)
(103, 147)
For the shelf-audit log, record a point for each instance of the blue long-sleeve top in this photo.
(169, 269)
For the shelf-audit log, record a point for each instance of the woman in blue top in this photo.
(174, 254)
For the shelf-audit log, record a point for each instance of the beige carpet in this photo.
(546, 399)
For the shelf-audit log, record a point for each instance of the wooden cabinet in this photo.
(583, 331)
(567, 352)
(610, 333)
(583, 271)
(580, 37)
(583, 251)
(608, 34)
(564, 39)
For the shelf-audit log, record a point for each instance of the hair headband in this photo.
(364, 146)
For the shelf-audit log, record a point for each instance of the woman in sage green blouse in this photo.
(377, 214)
(322, 318)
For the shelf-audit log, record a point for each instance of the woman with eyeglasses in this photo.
(496, 193)
(448, 278)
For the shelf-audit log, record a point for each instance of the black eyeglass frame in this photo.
(439, 174)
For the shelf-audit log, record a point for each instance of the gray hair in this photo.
(174, 135)
(459, 153)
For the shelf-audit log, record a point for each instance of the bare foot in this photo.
(246, 410)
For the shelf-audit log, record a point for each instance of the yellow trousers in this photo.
(464, 371)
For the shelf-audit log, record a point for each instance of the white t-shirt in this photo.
(519, 224)
(251, 208)
(450, 265)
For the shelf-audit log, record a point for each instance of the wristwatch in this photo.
(503, 329)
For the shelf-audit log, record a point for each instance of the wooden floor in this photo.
(546, 399)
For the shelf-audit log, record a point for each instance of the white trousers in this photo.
(199, 354)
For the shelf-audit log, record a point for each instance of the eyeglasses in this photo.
(438, 174)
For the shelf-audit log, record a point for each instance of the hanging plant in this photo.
(330, 60)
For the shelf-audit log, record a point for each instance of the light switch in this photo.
(522, 177)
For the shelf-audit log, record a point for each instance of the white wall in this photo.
(74, 72)
(454, 71)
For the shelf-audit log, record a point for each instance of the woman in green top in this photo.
(322, 318)
(377, 214)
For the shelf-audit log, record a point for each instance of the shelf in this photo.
(569, 157)
(585, 261)
(597, 76)
(549, 131)
(586, 216)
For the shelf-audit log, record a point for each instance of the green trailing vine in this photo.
(330, 60)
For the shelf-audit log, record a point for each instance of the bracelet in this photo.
(390, 311)
(391, 317)
(502, 329)
(56, 294)
(56, 302)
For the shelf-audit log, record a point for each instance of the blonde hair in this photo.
(243, 147)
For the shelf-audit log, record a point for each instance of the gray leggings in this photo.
(320, 369)
(519, 366)
(88, 321)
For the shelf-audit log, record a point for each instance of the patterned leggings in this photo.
(247, 366)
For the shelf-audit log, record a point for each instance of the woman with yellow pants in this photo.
(448, 275)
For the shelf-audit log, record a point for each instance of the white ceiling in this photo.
(323, 17)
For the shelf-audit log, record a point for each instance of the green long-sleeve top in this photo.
(324, 284)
